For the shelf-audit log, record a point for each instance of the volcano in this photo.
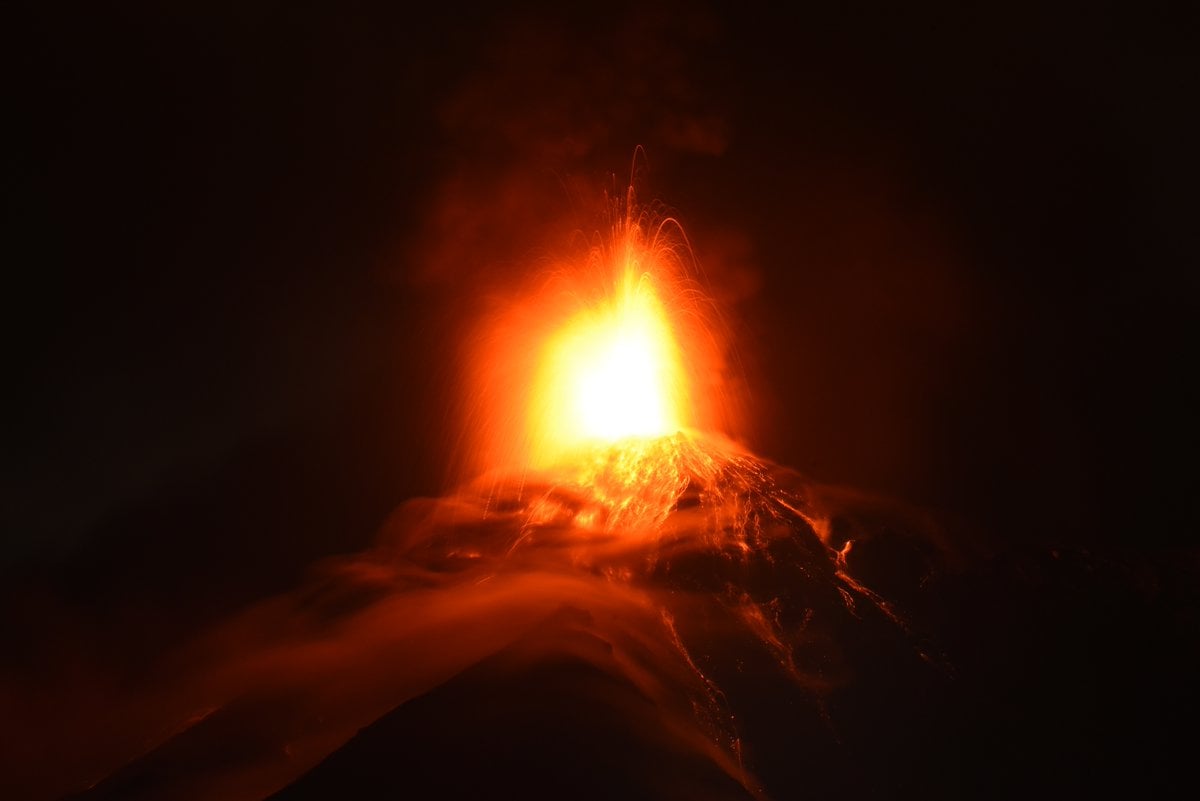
(646, 640)
(623, 601)
(361, 452)
(735, 631)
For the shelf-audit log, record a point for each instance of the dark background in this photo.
(956, 248)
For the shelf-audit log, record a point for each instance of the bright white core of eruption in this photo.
(612, 372)
(617, 392)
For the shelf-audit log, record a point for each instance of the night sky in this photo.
(955, 248)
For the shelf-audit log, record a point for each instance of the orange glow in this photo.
(616, 344)
(613, 371)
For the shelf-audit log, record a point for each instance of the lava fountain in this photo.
(614, 371)
(607, 376)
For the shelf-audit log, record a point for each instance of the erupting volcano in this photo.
(623, 481)
(381, 431)
(618, 600)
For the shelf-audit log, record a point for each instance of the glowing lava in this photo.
(616, 345)
(614, 371)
